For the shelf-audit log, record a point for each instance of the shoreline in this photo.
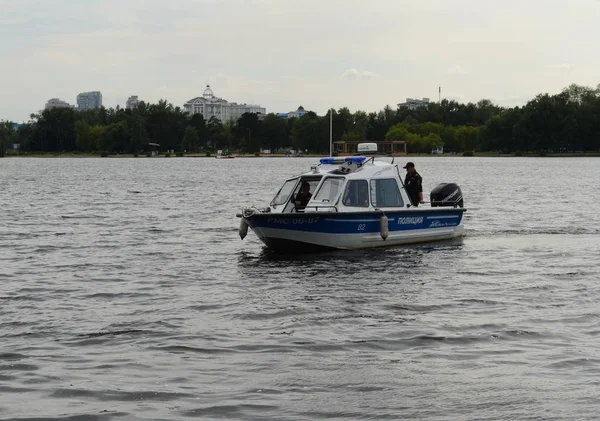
(476, 155)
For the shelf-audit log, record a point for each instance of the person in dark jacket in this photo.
(304, 196)
(413, 184)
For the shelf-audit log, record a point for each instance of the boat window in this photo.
(329, 190)
(385, 193)
(356, 193)
(284, 192)
(312, 185)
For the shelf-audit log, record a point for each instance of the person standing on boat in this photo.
(413, 183)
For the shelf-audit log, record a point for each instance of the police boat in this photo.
(357, 202)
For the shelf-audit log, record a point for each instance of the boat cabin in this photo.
(345, 184)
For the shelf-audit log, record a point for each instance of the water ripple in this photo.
(126, 293)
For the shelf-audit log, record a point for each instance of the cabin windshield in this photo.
(284, 192)
(329, 190)
(302, 197)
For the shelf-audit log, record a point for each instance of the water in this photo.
(126, 293)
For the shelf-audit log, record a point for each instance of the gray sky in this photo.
(282, 53)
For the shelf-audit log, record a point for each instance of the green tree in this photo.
(397, 132)
(247, 132)
(360, 125)
(82, 136)
(485, 110)
(197, 121)
(356, 126)
(377, 126)
(432, 141)
(25, 136)
(311, 133)
(579, 94)
(96, 137)
(414, 143)
(343, 122)
(466, 137)
(115, 138)
(8, 135)
(138, 135)
(276, 132)
(547, 122)
(217, 139)
(497, 133)
(166, 124)
(55, 129)
(190, 139)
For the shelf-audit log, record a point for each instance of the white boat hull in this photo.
(272, 236)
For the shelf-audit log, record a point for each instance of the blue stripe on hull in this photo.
(352, 223)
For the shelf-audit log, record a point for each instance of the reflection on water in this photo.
(332, 263)
(371, 256)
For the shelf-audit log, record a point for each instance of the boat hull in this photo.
(321, 231)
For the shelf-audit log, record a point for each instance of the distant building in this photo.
(237, 110)
(414, 103)
(89, 100)
(211, 106)
(56, 103)
(132, 102)
(294, 114)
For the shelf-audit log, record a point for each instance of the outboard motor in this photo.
(446, 194)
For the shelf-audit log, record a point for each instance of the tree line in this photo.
(568, 121)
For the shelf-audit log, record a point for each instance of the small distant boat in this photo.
(224, 156)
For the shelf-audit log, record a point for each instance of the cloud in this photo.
(514, 101)
(353, 74)
(562, 66)
(218, 79)
(456, 70)
(350, 74)
(10, 21)
(458, 97)
(368, 75)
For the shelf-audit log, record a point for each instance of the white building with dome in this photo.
(211, 106)
(294, 114)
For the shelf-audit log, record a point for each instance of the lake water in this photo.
(126, 293)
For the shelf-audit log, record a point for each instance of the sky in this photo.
(280, 54)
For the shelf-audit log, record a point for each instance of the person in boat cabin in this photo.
(413, 184)
(304, 196)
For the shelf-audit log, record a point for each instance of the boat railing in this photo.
(333, 208)
(383, 156)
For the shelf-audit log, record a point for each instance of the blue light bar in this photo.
(356, 159)
(330, 160)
